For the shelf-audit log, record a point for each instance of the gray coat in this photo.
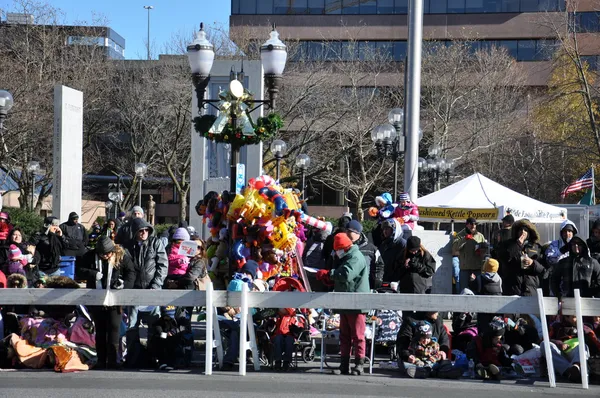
(149, 258)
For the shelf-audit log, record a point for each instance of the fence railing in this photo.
(212, 299)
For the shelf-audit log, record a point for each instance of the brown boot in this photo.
(359, 366)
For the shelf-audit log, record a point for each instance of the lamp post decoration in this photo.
(436, 166)
(234, 125)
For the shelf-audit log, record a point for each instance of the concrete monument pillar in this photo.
(68, 152)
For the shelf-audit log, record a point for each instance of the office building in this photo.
(73, 35)
(526, 28)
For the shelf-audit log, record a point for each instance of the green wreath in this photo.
(265, 128)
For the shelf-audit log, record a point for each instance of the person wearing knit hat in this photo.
(351, 276)
(370, 251)
(76, 237)
(137, 212)
(16, 262)
(250, 268)
(181, 234)
(178, 263)
(108, 266)
(488, 283)
(407, 211)
(414, 270)
(491, 351)
(126, 235)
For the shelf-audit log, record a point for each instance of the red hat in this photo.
(341, 241)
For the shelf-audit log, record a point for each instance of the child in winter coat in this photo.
(178, 263)
(287, 328)
(488, 283)
(16, 262)
(424, 352)
(489, 352)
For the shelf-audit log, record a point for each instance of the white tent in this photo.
(487, 201)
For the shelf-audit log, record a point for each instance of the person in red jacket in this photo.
(287, 328)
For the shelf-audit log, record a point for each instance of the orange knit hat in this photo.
(341, 241)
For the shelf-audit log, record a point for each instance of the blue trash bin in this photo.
(67, 266)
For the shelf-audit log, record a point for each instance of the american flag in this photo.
(583, 182)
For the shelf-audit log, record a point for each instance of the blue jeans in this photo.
(45, 275)
(456, 270)
(465, 277)
(135, 317)
(283, 344)
(233, 330)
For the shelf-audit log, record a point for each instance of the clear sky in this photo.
(129, 18)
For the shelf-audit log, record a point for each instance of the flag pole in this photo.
(593, 187)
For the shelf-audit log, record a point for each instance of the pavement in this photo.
(305, 383)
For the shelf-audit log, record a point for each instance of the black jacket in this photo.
(408, 329)
(374, 260)
(87, 269)
(516, 280)
(48, 248)
(593, 244)
(75, 238)
(124, 234)
(149, 258)
(577, 272)
(392, 251)
(417, 277)
(487, 284)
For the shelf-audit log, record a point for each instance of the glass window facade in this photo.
(521, 50)
(586, 22)
(383, 7)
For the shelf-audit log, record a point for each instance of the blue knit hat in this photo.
(404, 196)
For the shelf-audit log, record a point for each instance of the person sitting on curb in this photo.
(426, 356)
(489, 352)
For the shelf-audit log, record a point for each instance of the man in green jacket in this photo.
(470, 247)
(352, 275)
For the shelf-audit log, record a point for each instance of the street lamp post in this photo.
(33, 167)
(148, 8)
(303, 163)
(436, 166)
(390, 141)
(201, 56)
(278, 149)
(140, 172)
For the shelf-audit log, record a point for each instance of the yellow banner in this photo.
(449, 213)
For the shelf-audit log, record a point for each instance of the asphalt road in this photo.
(125, 384)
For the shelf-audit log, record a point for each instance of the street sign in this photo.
(240, 178)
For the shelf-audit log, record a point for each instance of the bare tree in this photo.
(33, 59)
